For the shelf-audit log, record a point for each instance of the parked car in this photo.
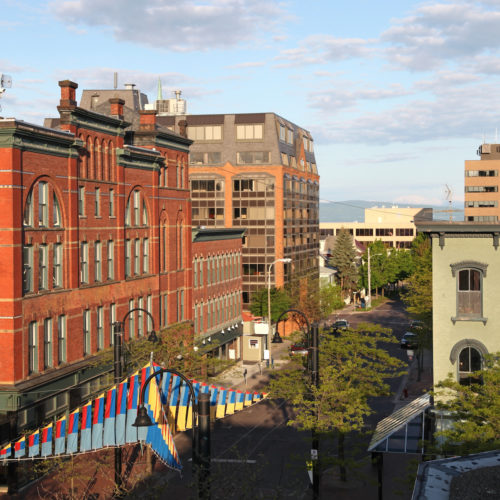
(340, 324)
(409, 341)
(299, 349)
(416, 324)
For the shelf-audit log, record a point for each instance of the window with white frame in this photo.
(149, 308)
(137, 256)
(128, 249)
(81, 200)
(86, 332)
(140, 317)
(27, 268)
(205, 133)
(100, 328)
(97, 202)
(47, 343)
(43, 209)
(111, 261)
(131, 319)
(469, 363)
(111, 203)
(84, 262)
(112, 320)
(57, 260)
(56, 211)
(145, 256)
(61, 339)
(33, 347)
(98, 261)
(43, 271)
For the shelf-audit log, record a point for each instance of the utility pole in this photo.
(118, 366)
(204, 446)
(314, 339)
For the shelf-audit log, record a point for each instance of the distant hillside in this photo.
(354, 210)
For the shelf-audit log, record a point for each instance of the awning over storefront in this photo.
(403, 430)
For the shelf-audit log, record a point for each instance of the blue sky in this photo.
(397, 94)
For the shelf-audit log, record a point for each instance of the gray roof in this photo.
(401, 431)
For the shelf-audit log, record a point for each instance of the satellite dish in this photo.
(5, 81)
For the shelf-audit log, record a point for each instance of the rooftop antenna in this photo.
(449, 198)
(5, 83)
(115, 80)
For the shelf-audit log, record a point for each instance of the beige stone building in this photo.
(395, 226)
(481, 185)
(466, 288)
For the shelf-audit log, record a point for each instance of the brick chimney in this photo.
(147, 120)
(117, 107)
(68, 93)
(183, 128)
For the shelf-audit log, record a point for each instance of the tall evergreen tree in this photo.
(343, 259)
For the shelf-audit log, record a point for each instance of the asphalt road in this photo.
(255, 454)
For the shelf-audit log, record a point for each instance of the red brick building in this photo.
(95, 220)
(217, 284)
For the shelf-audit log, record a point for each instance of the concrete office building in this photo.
(481, 185)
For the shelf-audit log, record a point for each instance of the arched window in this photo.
(105, 154)
(98, 159)
(91, 162)
(469, 362)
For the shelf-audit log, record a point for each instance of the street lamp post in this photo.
(285, 260)
(313, 368)
(201, 429)
(369, 296)
(118, 332)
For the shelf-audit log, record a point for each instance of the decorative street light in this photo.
(313, 369)
(201, 428)
(277, 339)
(118, 332)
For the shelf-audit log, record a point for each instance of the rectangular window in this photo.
(149, 308)
(81, 200)
(196, 326)
(111, 203)
(56, 211)
(252, 157)
(100, 328)
(112, 320)
(137, 256)
(140, 317)
(201, 263)
(383, 232)
(42, 268)
(111, 262)
(43, 214)
(282, 133)
(86, 332)
(131, 320)
(61, 338)
(469, 300)
(57, 266)
(195, 273)
(84, 262)
(250, 132)
(33, 347)
(27, 268)
(182, 306)
(137, 214)
(205, 133)
(47, 343)
(145, 256)
(98, 261)
(97, 202)
(128, 249)
(202, 325)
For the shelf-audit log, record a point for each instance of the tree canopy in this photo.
(280, 301)
(353, 368)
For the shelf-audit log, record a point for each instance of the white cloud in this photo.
(441, 33)
(416, 199)
(183, 25)
(247, 65)
(338, 98)
(319, 49)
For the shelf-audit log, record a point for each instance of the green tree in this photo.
(403, 263)
(280, 301)
(352, 369)
(418, 296)
(475, 410)
(343, 259)
(330, 299)
(305, 295)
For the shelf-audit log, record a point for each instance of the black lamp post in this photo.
(313, 369)
(118, 331)
(201, 429)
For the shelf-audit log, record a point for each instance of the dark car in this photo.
(409, 341)
(340, 324)
(299, 349)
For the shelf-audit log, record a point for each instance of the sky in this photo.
(397, 94)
